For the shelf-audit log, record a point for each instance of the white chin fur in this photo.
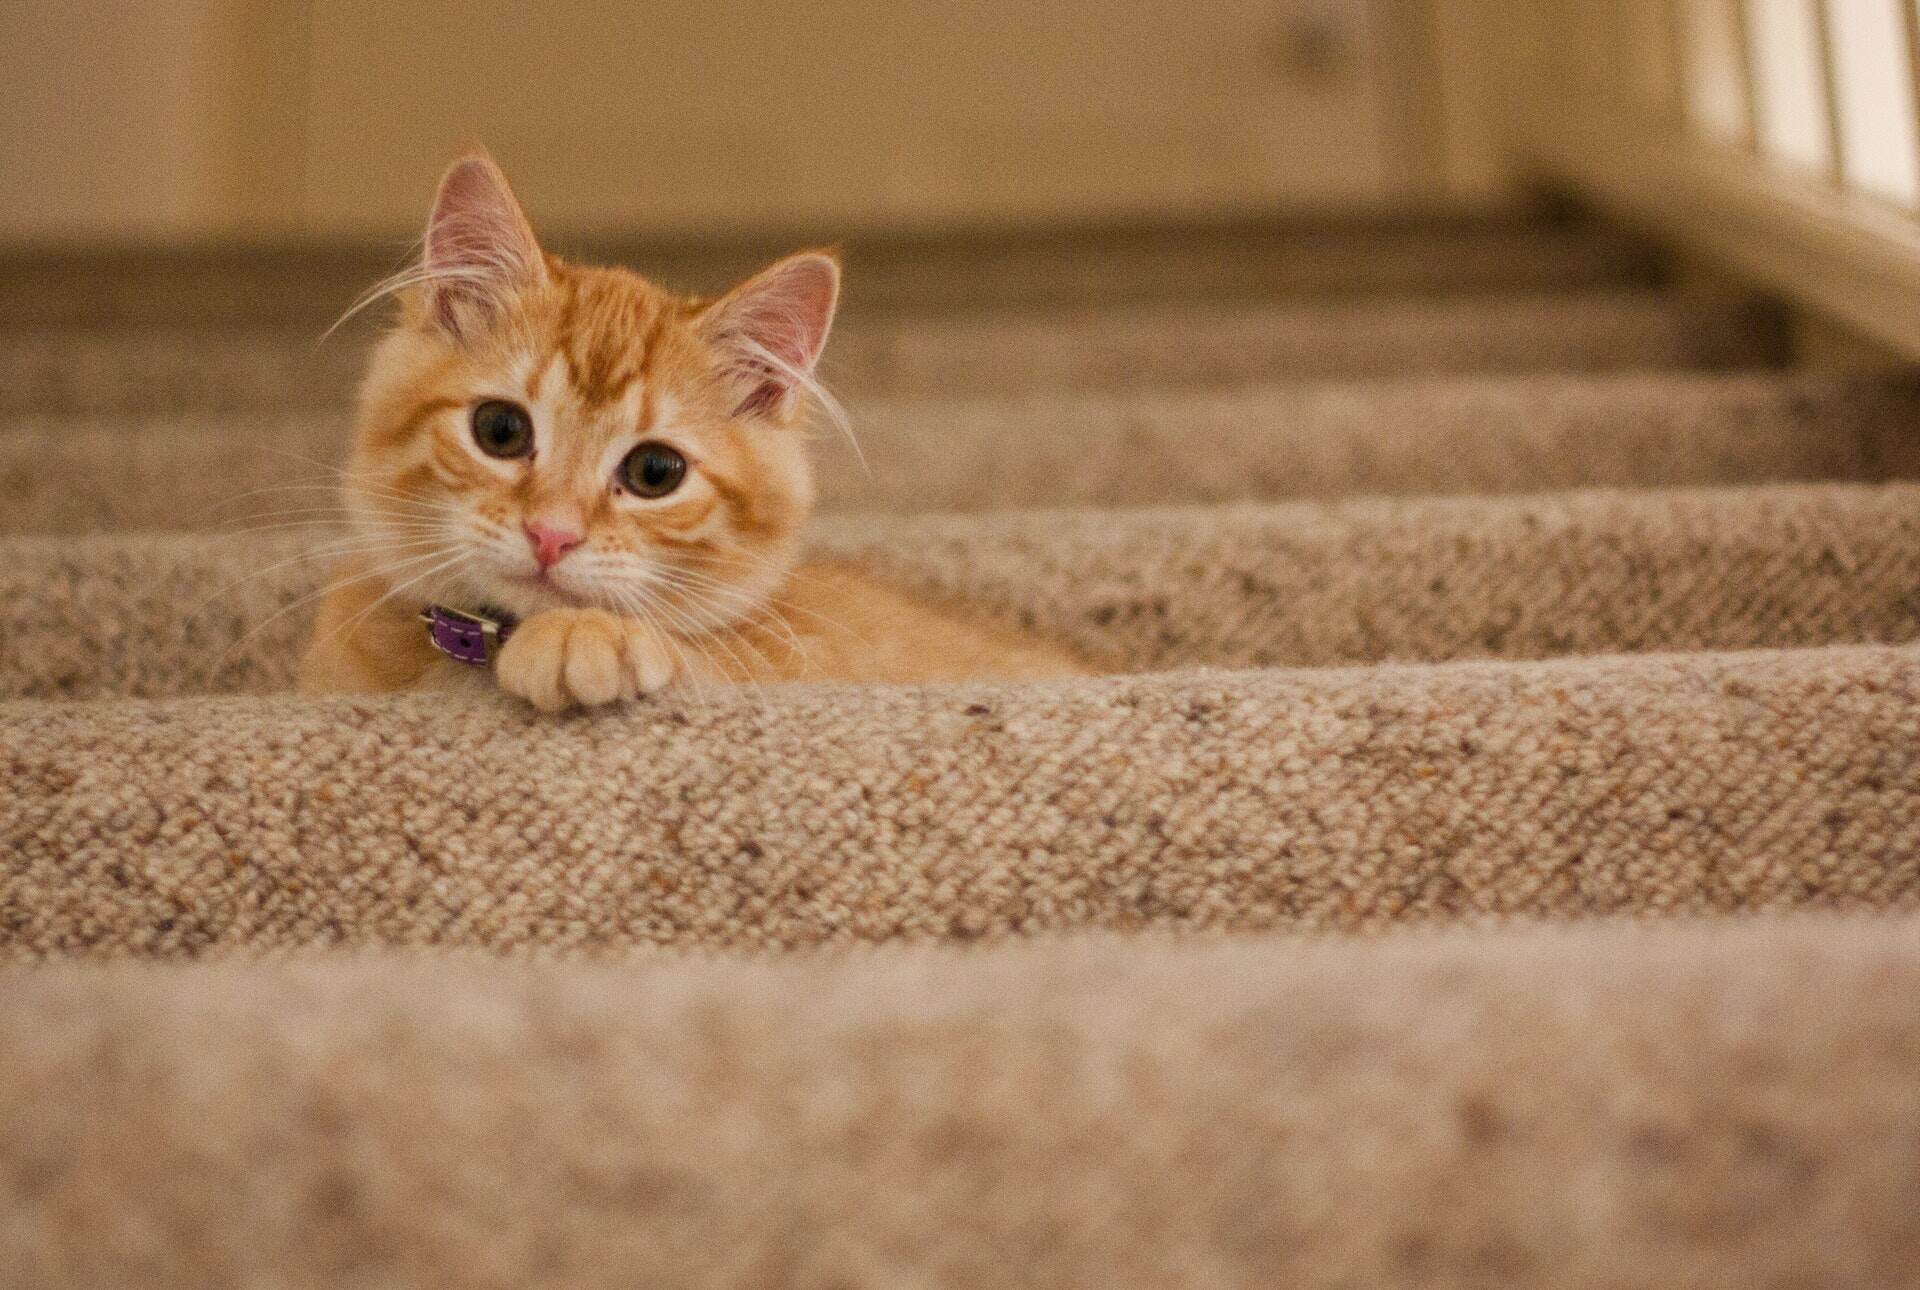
(488, 579)
(522, 596)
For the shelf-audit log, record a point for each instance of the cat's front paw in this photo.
(566, 658)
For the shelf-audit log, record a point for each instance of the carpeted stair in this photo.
(1493, 859)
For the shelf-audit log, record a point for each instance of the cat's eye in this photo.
(652, 470)
(502, 429)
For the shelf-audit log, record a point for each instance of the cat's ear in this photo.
(770, 329)
(480, 250)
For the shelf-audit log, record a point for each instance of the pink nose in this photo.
(550, 544)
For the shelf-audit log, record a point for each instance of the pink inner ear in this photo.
(765, 397)
(479, 245)
(794, 308)
(776, 322)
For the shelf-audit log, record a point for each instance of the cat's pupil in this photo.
(502, 429)
(653, 470)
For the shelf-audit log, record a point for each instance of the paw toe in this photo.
(592, 670)
(530, 665)
(650, 661)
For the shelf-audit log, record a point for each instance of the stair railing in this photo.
(1780, 138)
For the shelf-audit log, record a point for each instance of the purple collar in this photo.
(471, 638)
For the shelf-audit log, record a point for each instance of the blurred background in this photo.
(328, 120)
(1773, 142)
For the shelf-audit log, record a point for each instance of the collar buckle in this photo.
(467, 638)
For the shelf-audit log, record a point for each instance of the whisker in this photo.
(697, 634)
(783, 604)
(761, 361)
(326, 589)
(453, 561)
(321, 553)
(756, 614)
(428, 505)
(697, 684)
(361, 480)
(330, 521)
(761, 617)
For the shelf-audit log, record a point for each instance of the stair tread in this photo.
(1329, 800)
(1277, 1108)
(304, 288)
(148, 370)
(1455, 578)
(1252, 585)
(1485, 435)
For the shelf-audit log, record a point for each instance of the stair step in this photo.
(161, 370)
(1348, 799)
(1292, 584)
(1437, 435)
(1647, 1106)
(308, 289)
(1484, 583)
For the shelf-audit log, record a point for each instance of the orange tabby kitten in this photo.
(614, 474)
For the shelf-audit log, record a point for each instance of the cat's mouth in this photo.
(544, 583)
(525, 594)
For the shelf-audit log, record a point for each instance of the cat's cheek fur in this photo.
(566, 658)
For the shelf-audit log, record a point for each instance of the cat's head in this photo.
(535, 434)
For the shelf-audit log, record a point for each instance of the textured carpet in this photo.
(152, 369)
(1438, 435)
(307, 289)
(1300, 584)
(1494, 861)
(1691, 1105)
(1359, 798)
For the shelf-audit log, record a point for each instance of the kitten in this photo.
(617, 473)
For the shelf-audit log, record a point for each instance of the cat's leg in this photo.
(328, 667)
(564, 658)
(361, 644)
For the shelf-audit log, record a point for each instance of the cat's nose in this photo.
(550, 543)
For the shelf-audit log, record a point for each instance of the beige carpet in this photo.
(1458, 620)
(1688, 1105)
(168, 368)
(1444, 434)
(1322, 584)
(307, 288)
(1250, 801)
